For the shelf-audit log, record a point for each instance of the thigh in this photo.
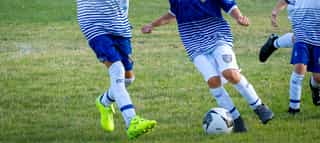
(205, 66)
(300, 53)
(123, 46)
(104, 48)
(314, 64)
(225, 58)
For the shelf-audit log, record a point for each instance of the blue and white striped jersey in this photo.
(124, 5)
(98, 17)
(306, 21)
(290, 8)
(201, 24)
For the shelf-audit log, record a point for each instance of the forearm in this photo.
(282, 4)
(241, 20)
(236, 13)
(165, 19)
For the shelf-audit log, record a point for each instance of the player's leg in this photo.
(296, 81)
(129, 77)
(227, 64)
(315, 88)
(107, 97)
(137, 125)
(206, 66)
(314, 67)
(284, 41)
(299, 59)
(275, 42)
(123, 46)
(104, 50)
(268, 48)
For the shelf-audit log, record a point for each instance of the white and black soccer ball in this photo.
(217, 121)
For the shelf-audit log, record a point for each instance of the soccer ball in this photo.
(217, 121)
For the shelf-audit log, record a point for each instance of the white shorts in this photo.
(214, 63)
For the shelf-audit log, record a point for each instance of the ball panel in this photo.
(217, 121)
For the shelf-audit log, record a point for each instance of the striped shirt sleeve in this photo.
(173, 7)
(228, 5)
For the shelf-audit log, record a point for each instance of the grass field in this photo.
(49, 79)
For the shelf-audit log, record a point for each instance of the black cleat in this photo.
(264, 113)
(315, 93)
(267, 49)
(239, 126)
(293, 111)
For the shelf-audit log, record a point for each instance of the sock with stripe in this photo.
(285, 41)
(223, 100)
(295, 90)
(248, 92)
(107, 99)
(120, 93)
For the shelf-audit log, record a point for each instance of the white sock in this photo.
(295, 90)
(107, 98)
(129, 81)
(314, 83)
(122, 98)
(285, 41)
(223, 99)
(248, 92)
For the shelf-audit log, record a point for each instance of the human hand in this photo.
(146, 29)
(243, 20)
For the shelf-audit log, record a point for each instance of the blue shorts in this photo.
(113, 48)
(307, 54)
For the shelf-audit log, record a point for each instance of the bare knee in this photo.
(129, 74)
(214, 82)
(232, 75)
(300, 69)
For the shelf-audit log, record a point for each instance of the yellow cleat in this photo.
(106, 115)
(139, 126)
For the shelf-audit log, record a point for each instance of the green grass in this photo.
(49, 79)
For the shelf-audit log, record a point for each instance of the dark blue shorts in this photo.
(113, 48)
(307, 54)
